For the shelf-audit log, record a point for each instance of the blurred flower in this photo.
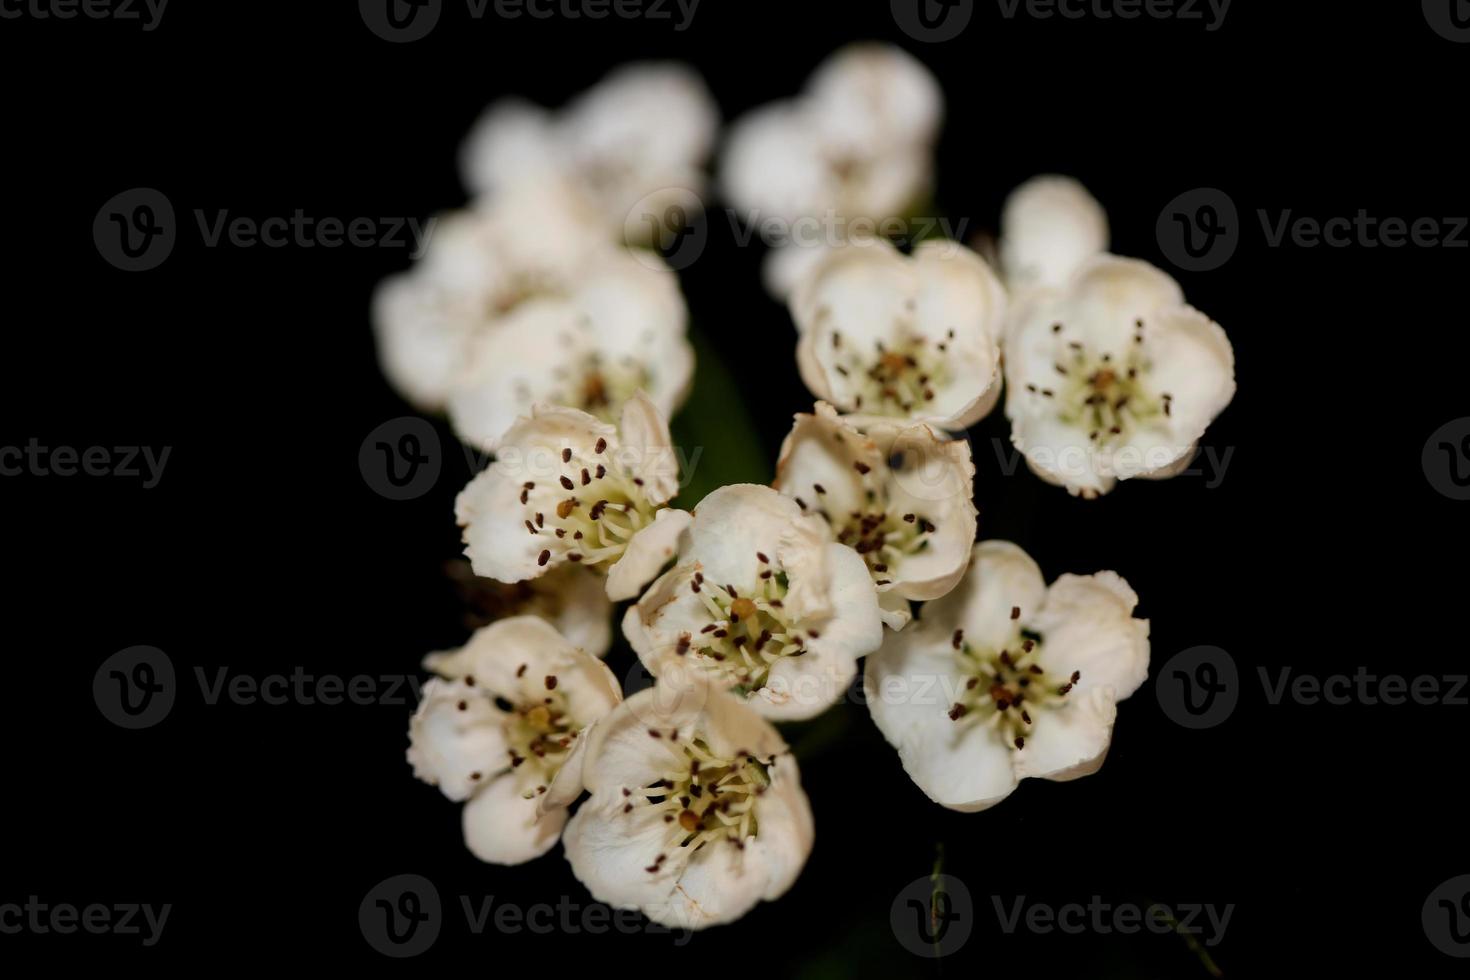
(572, 598)
(504, 732)
(857, 144)
(761, 600)
(1050, 226)
(568, 488)
(1113, 376)
(633, 145)
(697, 812)
(909, 337)
(618, 328)
(1005, 678)
(478, 266)
(898, 494)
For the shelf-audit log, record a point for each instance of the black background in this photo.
(262, 549)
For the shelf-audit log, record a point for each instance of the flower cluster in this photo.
(853, 150)
(539, 291)
(553, 344)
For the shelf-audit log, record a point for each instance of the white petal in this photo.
(1087, 625)
(868, 94)
(895, 610)
(821, 450)
(455, 748)
(772, 166)
(909, 685)
(859, 289)
(648, 450)
(1108, 293)
(735, 522)
(1001, 579)
(803, 687)
(610, 852)
(1050, 226)
(525, 360)
(512, 658)
(503, 827)
(497, 540)
(1071, 742)
(421, 338)
(956, 288)
(936, 479)
(1194, 363)
(514, 140)
(648, 551)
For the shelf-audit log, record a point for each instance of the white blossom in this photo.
(1005, 678)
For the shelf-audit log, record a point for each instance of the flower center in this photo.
(748, 632)
(895, 377)
(707, 798)
(590, 511)
(1006, 689)
(539, 731)
(1104, 395)
(600, 388)
(882, 536)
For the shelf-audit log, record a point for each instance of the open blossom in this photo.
(854, 149)
(697, 812)
(503, 730)
(908, 337)
(1049, 227)
(762, 601)
(478, 266)
(633, 145)
(1006, 678)
(618, 328)
(1113, 376)
(900, 494)
(573, 598)
(566, 488)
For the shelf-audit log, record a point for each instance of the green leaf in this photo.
(717, 441)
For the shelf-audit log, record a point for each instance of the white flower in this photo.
(872, 93)
(478, 266)
(697, 812)
(505, 733)
(1113, 376)
(572, 598)
(854, 150)
(900, 495)
(633, 145)
(1005, 678)
(619, 328)
(910, 337)
(1049, 227)
(761, 600)
(567, 488)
